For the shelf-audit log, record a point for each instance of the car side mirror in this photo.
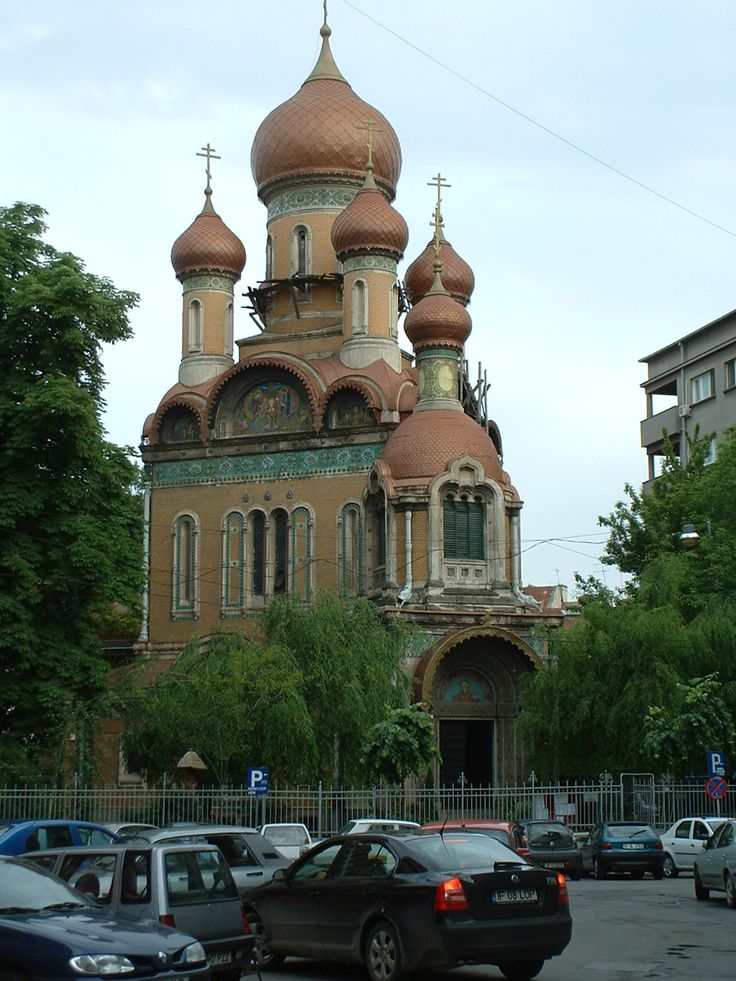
(279, 875)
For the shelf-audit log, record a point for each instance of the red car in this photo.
(510, 833)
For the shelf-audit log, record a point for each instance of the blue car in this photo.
(51, 932)
(17, 837)
(623, 846)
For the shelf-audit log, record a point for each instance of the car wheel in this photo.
(598, 871)
(263, 959)
(700, 891)
(574, 876)
(658, 873)
(382, 955)
(730, 891)
(521, 970)
(669, 868)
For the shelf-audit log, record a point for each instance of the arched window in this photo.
(184, 592)
(229, 330)
(301, 263)
(463, 523)
(269, 258)
(350, 551)
(280, 521)
(300, 554)
(258, 553)
(375, 538)
(360, 307)
(393, 315)
(196, 326)
(233, 563)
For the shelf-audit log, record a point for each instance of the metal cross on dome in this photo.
(371, 127)
(439, 182)
(209, 152)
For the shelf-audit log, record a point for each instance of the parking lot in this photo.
(623, 930)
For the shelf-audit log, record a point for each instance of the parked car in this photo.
(684, 840)
(49, 931)
(552, 844)
(17, 837)
(623, 846)
(715, 866)
(126, 829)
(187, 886)
(359, 826)
(251, 857)
(289, 840)
(413, 902)
(510, 833)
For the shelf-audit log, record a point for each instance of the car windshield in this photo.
(289, 834)
(26, 887)
(629, 830)
(453, 852)
(197, 876)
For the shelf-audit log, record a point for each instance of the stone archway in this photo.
(472, 681)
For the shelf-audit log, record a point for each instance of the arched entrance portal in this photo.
(472, 682)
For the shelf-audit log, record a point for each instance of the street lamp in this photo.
(689, 537)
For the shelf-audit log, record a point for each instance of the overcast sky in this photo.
(580, 272)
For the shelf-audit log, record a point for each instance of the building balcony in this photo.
(651, 428)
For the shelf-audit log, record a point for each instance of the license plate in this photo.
(631, 845)
(502, 896)
(220, 957)
(554, 865)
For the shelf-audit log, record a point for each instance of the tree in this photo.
(401, 746)
(70, 515)
(234, 702)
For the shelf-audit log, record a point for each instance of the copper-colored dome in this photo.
(208, 244)
(457, 276)
(318, 131)
(369, 223)
(426, 443)
(437, 319)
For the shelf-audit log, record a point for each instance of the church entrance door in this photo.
(467, 748)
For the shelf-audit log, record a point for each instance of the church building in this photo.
(315, 453)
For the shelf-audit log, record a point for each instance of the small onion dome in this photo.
(437, 319)
(318, 133)
(457, 275)
(426, 443)
(369, 223)
(208, 245)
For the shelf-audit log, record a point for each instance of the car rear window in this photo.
(198, 876)
(629, 830)
(543, 834)
(289, 835)
(453, 852)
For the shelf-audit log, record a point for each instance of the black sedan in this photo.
(49, 931)
(413, 902)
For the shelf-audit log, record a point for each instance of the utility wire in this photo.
(535, 122)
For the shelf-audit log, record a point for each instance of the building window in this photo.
(269, 258)
(300, 554)
(375, 538)
(731, 374)
(229, 330)
(258, 552)
(350, 551)
(280, 521)
(195, 326)
(300, 254)
(184, 599)
(463, 521)
(360, 307)
(393, 314)
(701, 387)
(233, 563)
(710, 456)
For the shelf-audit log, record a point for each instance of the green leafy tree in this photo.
(401, 746)
(352, 662)
(70, 515)
(234, 702)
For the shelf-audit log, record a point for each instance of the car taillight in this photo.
(657, 844)
(167, 919)
(450, 895)
(562, 898)
(606, 846)
(246, 924)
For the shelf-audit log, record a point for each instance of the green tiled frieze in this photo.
(314, 199)
(267, 466)
(357, 262)
(209, 283)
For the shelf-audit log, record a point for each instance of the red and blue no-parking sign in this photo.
(716, 788)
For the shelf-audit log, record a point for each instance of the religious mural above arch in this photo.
(349, 409)
(179, 427)
(465, 688)
(271, 407)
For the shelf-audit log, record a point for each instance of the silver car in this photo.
(684, 840)
(715, 866)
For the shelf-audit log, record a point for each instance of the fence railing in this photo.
(324, 811)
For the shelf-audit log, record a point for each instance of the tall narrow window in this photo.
(300, 554)
(350, 551)
(463, 527)
(731, 374)
(185, 567)
(701, 387)
(269, 258)
(258, 541)
(229, 330)
(195, 326)
(280, 551)
(393, 315)
(360, 307)
(233, 563)
(375, 537)
(300, 255)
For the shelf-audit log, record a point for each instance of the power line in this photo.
(535, 122)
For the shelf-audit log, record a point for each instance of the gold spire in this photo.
(437, 222)
(208, 152)
(370, 126)
(326, 67)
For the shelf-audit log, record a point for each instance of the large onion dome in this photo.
(318, 133)
(457, 275)
(426, 443)
(437, 319)
(208, 245)
(369, 223)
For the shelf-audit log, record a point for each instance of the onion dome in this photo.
(437, 319)
(208, 245)
(457, 275)
(369, 223)
(317, 133)
(426, 443)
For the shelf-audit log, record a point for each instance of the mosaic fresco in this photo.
(271, 407)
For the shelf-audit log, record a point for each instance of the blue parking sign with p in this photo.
(258, 780)
(716, 763)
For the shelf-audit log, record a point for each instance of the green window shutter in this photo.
(259, 554)
(476, 536)
(448, 522)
